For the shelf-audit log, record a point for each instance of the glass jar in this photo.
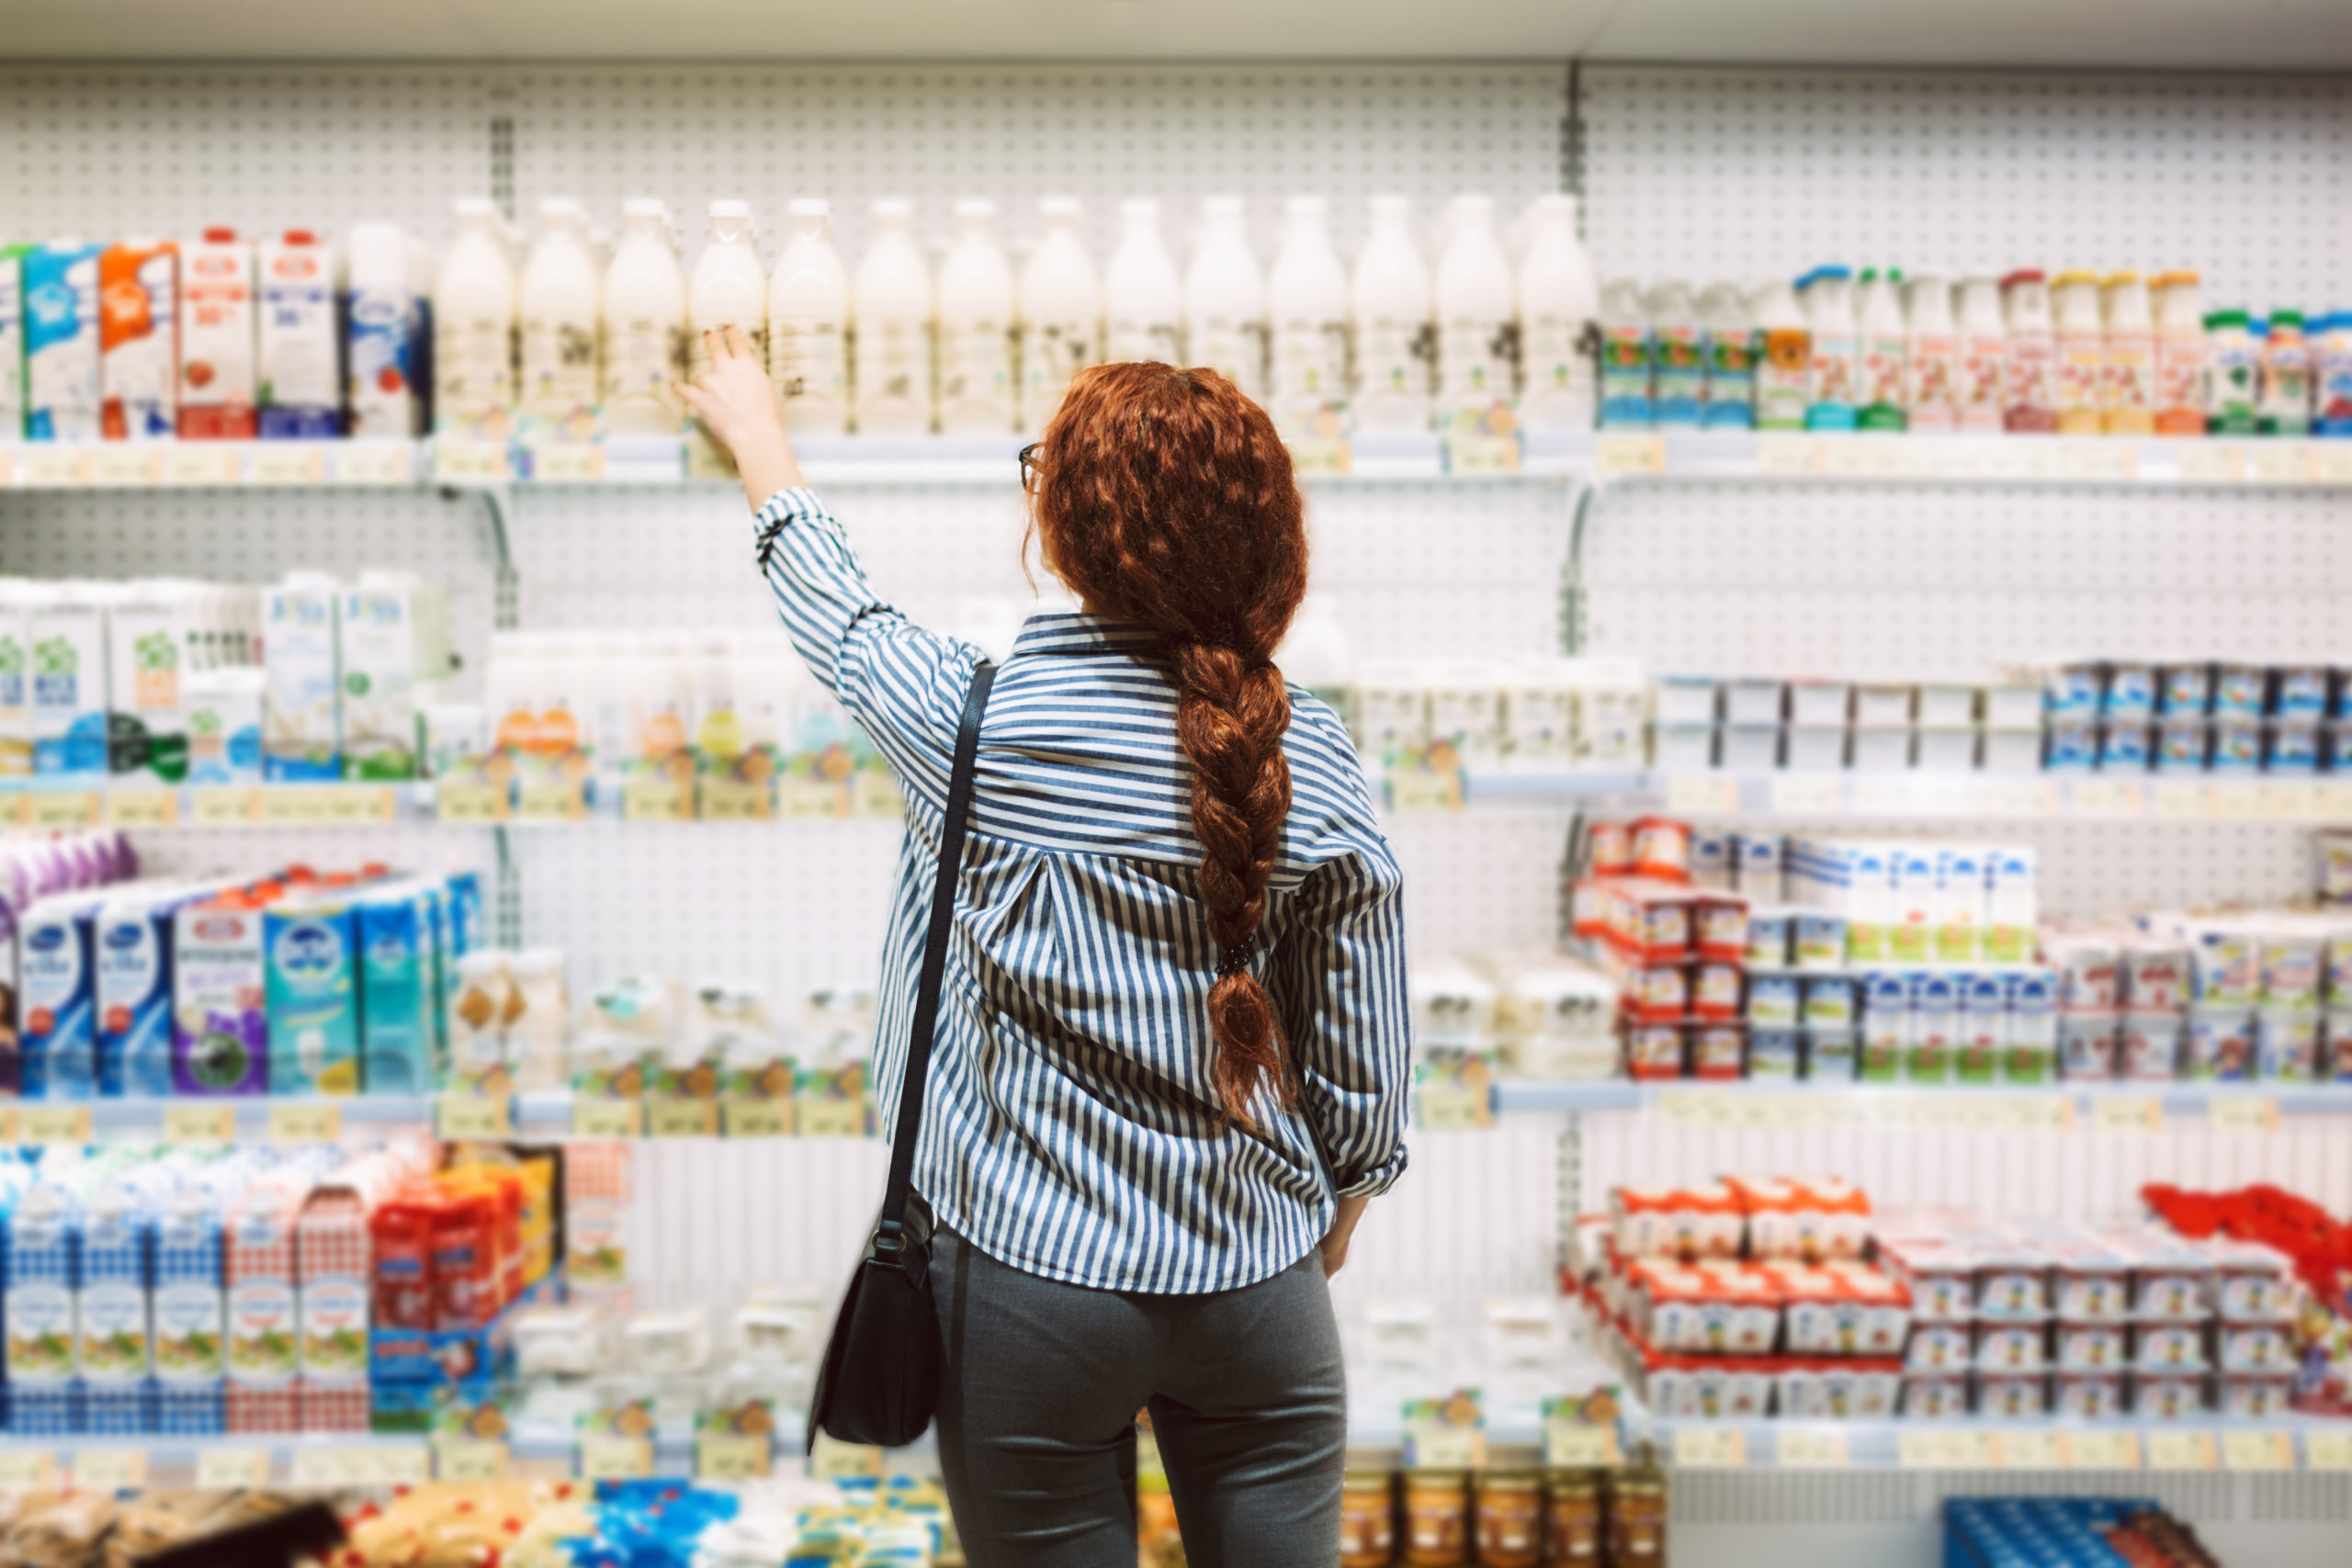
(1572, 1517)
(1636, 1519)
(1511, 1520)
(1437, 1518)
(1367, 1520)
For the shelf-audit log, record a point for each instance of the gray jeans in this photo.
(1039, 1390)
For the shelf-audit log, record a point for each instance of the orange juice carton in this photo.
(139, 287)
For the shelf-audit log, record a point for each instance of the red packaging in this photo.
(1714, 990)
(465, 1259)
(1719, 926)
(1609, 848)
(1653, 1050)
(1717, 1051)
(402, 1229)
(1662, 849)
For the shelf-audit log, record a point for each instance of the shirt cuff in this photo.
(1378, 1179)
(792, 504)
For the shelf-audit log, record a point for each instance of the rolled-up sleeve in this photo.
(903, 685)
(1338, 976)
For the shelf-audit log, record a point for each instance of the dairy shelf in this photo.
(2080, 796)
(2253, 1108)
(2205, 1442)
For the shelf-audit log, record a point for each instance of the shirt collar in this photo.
(1073, 632)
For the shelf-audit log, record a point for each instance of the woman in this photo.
(1171, 1060)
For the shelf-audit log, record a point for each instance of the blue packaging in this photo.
(311, 984)
(190, 1315)
(1831, 1056)
(2181, 744)
(1773, 1000)
(2073, 691)
(2072, 745)
(2302, 691)
(2294, 747)
(2337, 741)
(133, 940)
(2241, 690)
(113, 1347)
(60, 336)
(399, 988)
(2184, 688)
(2237, 745)
(1772, 1054)
(2125, 749)
(44, 1229)
(57, 996)
(1829, 1001)
(2130, 691)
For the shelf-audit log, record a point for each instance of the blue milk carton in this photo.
(400, 999)
(311, 980)
(133, 943)
(57, 997)
(113, 1349)
(190, 1315)
(61, 337)
(44, 1254)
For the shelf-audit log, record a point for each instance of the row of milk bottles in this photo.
(571, 346)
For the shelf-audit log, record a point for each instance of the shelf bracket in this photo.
(1574, 631)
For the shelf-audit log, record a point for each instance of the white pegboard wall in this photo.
(1703, 174)
(1906, 582)
(253, 851)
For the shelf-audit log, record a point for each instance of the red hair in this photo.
(1164, 497)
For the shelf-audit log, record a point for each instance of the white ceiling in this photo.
(2301, 35)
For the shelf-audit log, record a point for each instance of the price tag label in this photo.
(372, 463)
(605, 1116)
(224, 1470)
(1312, 457)
(1579, 1445)
(1876, 455)
(328, 1469)
(2290, 800)
(1627, 452)
(63, 1125)
(1485, 455)
(675, 1118)
(2180, 1450)
(1810, 1448)
(2018, 798)
(46, 466)
(2127, 1114)
(616, 1459)
(110, 1469)
(733, 800)
(2238, 801)
(2257, 1450)
(224, 807)
(1787, 456)
(1450, 1107)
(1414, 788)
(749, 1118)
(2101, 1450)
(199, 1123)
(875, 792)
(560, 801)
(2023, 1450)
(1808, 795)
(201, 463)
(829, 1116)
(142, 807)
(461, 1118)
(726, 1456)
(289, 463)
(566, 462)
(2183, 799)
(22, 1469)
(1434, 1447)
(122, 465)
(1943, 1449)
(2329, 1451)
(1703, 795)
(2107, 798)
(2257, 1113)
(2334, 803)
(656, 800)
(394, 1464)
(468, 1458)
(470, 463)
(466, 800)
(2102, 461)
(67, 808)
(306, 1121)
(2280, 462)
(832, 1460)
(2332, 462)
(2209, 462)
(1710, 1448)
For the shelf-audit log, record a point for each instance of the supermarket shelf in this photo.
(324, 1461)
(2201, 1443)
(544, 1116)
(68, 806)
(1743, 456)
(2093, 796)
(2249, 1107)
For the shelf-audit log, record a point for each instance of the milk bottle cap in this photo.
(809, 206)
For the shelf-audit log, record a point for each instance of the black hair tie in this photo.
(1235, 960)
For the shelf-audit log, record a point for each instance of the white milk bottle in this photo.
(1224, 298)
(1678, 355)
(380, 350)
(1829, 296)
(1731, 359)
(892, 312)
(1477, 346)
(808, 324)
(1559, 300)
(1981, 390)
(976, 389)
(729, 289)
(1306, 309)
(1143, 299)
(559, 300)
(645, 325)
(2029, 404)
(1390, 302)
(1627, 385)
(473, 328)
(1934, 357)
(1784, 360)
(2079, 371)
(1061, 311)
(2129, 405)
(2180, 356)
(1886, 351)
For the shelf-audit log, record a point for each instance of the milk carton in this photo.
(113, 1344)
(12, 343)
(383, 337)
(189, 1316)
(217, 384)
(300, 738)
(310, 985)
(262, 1326)
(65, 639)
(392, 633)
(219, 1024)
(57, 996)
(300, 347)
(224, 724)
(399, 986)
(333, 1283)
(16, 689)
(61, 293)
(147, 633)
(44, 1253)
(139, 340)
(134, 942)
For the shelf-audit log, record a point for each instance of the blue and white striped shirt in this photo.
(1071, 1128)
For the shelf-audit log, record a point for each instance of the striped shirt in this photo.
(1071, 1127)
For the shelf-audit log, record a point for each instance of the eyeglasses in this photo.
(1029, 466)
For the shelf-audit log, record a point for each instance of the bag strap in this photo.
(890, 1235)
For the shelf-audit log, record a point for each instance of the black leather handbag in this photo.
(879, 1383)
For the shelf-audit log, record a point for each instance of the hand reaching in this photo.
(737, 405)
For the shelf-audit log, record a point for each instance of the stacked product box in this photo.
(1673, 948)
(2067, 1532)
(1813, 724)
(2195, 716)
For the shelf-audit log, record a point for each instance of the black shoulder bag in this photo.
(879, 1383)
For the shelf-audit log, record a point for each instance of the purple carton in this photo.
(220, 1021)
